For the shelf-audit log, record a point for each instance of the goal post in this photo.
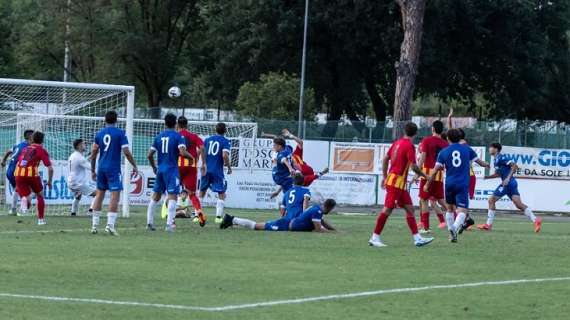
(38, 105)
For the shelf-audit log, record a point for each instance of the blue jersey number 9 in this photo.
(106, 141)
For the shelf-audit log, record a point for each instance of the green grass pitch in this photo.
(209, 267)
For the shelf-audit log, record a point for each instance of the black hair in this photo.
(111, 117)
(444, 135)
(497, 146)
(453, 135)
(221, 128)
(76, 143)
(461, 134)
(279, 141)
(329, 204)
(411, 129)
(170, 120)
(28, 134)
(437, 126)
(182, 122)
(184, 190)
(38, 137)
(298, 179)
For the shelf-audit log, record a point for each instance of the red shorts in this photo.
(395, 196)
(26, 185)
(189, 178)
(435, 190)
(472, 183)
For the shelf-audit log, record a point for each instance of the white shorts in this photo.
(86, 189)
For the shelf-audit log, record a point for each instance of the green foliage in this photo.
(274, 96)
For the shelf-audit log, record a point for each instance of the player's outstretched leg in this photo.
(488, 226)
(537, 221)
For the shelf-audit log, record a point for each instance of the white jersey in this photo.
(79, 171)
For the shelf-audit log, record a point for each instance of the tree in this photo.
(412, 12)
(274, 96)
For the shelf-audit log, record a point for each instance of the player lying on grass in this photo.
(297, 160)
(310, 220)
(14, 154)
(456, 160)
(109, 143)
(182, 206)
(401, 156)
(296, 200)
(169, 145)
(79, 180)
(217, 156)
(27, 175)
(429, 149)
(505, 169)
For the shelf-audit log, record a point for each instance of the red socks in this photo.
(41, 207)
(440, 217)
(424, 219)
(380, 222)
(196, 202)
(412, 224)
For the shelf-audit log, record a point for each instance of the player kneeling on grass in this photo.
(310, 220)
(169, 145)
(79, 179)
(505, 169)
(182, 206)
(456, 159)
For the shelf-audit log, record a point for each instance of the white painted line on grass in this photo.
(283, 302)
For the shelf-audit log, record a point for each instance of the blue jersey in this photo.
(502, 166)
(111, 141)
(456, 159)
(166, 145)
(280, 172)
(293, 201)
(304, 222)
(16, 150)
(215, 146)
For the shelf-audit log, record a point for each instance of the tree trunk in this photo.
(407, 67)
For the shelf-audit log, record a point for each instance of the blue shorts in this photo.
(512, 189)
(457, 196)
(278, 225)
(168, 182)
(302, 226)
(109, 180)
(285, 184)
(11, 178)
(216, 183)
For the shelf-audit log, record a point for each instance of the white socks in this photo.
(150, 212)
(490, 217)
(111, 219)
(14, 201)
(75, 205)
(171, 212)
(449, 220)
(95, 217)
(459, 220)
(219, 208)
(417, 237)
(244, 223)
(375, 237)
(24, 205)
(529, 214)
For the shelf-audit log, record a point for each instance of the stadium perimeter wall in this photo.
(543, 177)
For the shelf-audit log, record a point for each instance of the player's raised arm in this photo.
(287, 134)
(450, 119)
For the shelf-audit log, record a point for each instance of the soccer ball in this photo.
(174, 92)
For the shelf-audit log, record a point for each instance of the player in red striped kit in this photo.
(188, 168)
(429, 149)
(401, 156)
(27, 175)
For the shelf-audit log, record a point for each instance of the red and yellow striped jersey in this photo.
(29, 161)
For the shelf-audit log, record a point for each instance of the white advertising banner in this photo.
(540, 163)
(350, 189)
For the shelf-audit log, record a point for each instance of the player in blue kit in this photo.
(295, 201)
(14, 153)
(505, 169)
(312, 218)
(282, 171)
(456, 160)
(169, 145)
(217, 156)
(110, 143)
